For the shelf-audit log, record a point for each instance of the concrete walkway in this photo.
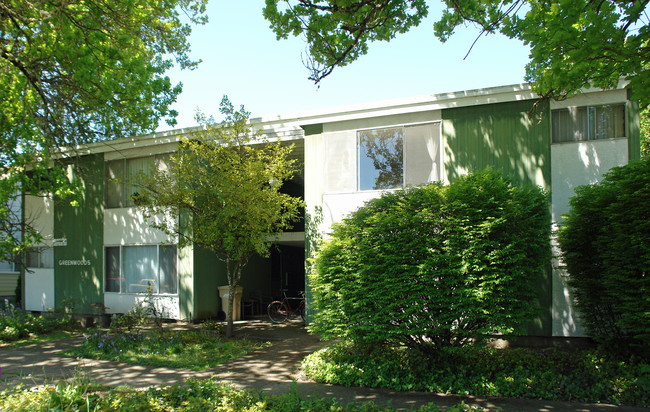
(275, 369)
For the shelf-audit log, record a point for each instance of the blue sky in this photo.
(242, 59)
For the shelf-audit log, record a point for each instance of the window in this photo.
(575, 124)
(391, 157)
(40, 257)
(120, 176)
(381, 158)
(8, 266)
(133, 269)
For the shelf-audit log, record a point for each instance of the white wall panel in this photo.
(572, 165)
(39, 289)
(128, 226)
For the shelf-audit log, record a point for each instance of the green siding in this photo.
(82, 227)
(633, 130)
(311, 129)
(504, 137)
(209, 274)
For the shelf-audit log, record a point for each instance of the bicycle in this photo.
(281, 310)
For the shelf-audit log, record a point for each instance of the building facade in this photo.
(103, 251)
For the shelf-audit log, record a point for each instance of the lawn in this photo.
(195, 395)
(192, 349)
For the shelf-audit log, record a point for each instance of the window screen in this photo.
(575, 124)
(134, 269)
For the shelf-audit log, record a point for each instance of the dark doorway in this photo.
(288, 270)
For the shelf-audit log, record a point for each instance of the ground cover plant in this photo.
(434, 266)
(606, 247)
(196, 395)
(195, 349)
(585, 376)
(17, 324)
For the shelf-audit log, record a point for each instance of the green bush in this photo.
(434, 266)
(605, 242)
(16, 324)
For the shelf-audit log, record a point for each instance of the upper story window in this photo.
(121, 176)
(381, 158)
(392, 157)
(575, 124)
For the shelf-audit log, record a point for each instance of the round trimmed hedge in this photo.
(434, 266)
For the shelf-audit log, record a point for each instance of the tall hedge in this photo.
(605, 242)
(435, 265)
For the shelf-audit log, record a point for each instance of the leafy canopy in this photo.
(78, 71)
(574, 44)
(225, 185)
(645, 132)
(338, 32)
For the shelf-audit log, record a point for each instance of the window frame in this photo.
(157, 161)
(404, 138)
(121, 279)
(592, 112)
(359, 149)
(42, 264)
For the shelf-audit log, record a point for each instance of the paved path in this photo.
(275, 369)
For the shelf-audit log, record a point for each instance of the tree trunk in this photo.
(234, 274)
(229, 312)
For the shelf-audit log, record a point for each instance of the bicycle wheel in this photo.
(302, 311)
(277, 312)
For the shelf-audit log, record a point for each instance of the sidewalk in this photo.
(275, 369)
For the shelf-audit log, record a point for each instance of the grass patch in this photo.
(584, 376)
(196, 350)
(33, 338)
(195, 395)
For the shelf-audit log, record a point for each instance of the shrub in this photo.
(585, 376)
(16, 324)
(434, 266)
(605, 244)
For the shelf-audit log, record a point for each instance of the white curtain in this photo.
(134, 168)
(139, 269)
(422, 153)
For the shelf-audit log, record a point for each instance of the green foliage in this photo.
(16, 324)
(75, 72)
(228, 180)
(645, 132)
(338, 32)
(434, 266)
(194, 395)
(574, 44)
(606, 248)
(585, 376)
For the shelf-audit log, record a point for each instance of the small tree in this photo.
(434, 266)
(226, 180)
(606, 248)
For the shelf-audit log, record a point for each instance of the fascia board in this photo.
(410, 105)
